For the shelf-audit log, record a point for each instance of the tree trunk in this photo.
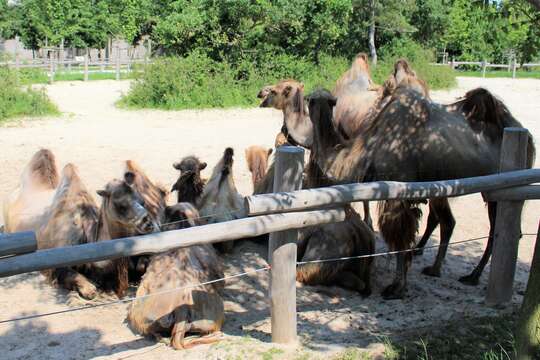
(535, 3)
(372, 48)
(528, 328)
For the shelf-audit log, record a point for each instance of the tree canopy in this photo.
(247, 30)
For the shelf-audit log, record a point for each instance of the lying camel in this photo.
(220, 200)
(73, 219)
(192, 309)
(25, 207)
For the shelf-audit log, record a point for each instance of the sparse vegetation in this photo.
(17, 101)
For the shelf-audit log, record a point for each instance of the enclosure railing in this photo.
(512, 66)
(288, 209)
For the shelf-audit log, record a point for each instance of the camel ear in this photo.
(332, 101)
(270, 150)
(176, 165)
(287, 90)
(103, 193)
(129, 177)
(202, 166)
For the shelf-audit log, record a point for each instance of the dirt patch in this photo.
(98, 137)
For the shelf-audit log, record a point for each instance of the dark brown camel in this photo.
(74, 219)
(190, 310)
(189, 185)
(412, 139)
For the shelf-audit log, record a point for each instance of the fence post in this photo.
(452, 64)
(86, 65)
(514, 66)
(51, 67)
(17, 58)
(282, 250)
(484, 66)
(508, 222)
(117, 62)
(528, 327)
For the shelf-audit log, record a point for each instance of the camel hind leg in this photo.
(474, 277)
(367, 215)
(447, 221)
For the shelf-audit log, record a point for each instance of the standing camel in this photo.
(409, 140)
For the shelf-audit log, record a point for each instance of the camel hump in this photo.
(70, 171)
(43, 168)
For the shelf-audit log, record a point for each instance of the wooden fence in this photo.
(484, 65)
(289, 209)
(80, 64)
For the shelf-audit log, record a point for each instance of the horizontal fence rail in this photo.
(385, 190)
(159, 242)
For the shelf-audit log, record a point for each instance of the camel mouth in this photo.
(265, 103)
(147, 226)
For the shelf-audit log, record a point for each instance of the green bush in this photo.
(15, 101)
(196, 81)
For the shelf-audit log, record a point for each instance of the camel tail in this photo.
(398, 221)
(487, 113)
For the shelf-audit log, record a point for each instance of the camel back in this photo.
(42, 169)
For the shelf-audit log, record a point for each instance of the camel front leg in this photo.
(399, 286)
(448, 223)
(72, 280)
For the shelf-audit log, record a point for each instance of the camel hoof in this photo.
(470, 280)
(418, 252)
(431, 271)
(394, 292)
(366, 292)
(88, 291)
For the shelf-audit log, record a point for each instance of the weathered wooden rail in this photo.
(289, 209)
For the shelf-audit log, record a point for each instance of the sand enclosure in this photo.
(98, 137)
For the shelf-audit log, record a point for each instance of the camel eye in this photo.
(120, 208)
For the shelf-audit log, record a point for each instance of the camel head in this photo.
(124, 207)
(321, 105)
(288, 95)
(190, 166)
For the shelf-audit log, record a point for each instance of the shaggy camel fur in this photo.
(190, 310)
(73, 218)
(189, 185)
(220, 200)
(26, 205)
(465, 136)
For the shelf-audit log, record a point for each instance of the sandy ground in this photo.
(98, 137)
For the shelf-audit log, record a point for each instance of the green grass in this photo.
(39, 76)
(196, 81)
(501, 74)
(15, 100)
(487, 338)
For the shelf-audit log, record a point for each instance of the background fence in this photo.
(512, 65)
